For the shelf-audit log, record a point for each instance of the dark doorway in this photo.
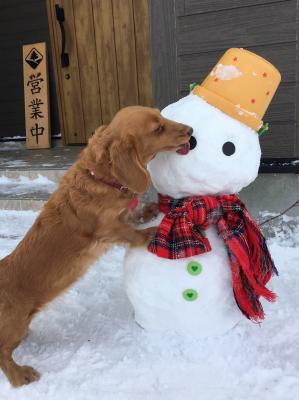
(21, 22)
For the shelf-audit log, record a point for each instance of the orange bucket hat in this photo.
(242, 85)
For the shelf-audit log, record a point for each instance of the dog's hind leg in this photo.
(13, 329)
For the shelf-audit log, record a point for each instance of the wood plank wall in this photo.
(21, 22)
(198, 33)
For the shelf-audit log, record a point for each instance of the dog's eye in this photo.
(228, 148)
(159, 129)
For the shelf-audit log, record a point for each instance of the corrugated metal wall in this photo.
(189, 36)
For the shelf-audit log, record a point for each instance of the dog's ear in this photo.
(97, 143)
(126, 166)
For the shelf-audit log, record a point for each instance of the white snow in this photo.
(226, 72)
(13, 164)
(206, 170)
(14, 137)
(87, 346)
(24, 185)
(23, 137)
(4, 146)
(160, 305)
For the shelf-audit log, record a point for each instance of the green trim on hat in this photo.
(192, 86)
(263, 129)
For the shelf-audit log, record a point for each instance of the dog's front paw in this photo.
(148, 212)
(149, 234)
(143, 237)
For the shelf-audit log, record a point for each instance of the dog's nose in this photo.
(190, 131)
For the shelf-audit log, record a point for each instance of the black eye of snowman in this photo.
(228, 148)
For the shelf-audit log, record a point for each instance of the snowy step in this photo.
(27, 189)
(53, 175)
(15, 156)
(30, 189)
(28, 177)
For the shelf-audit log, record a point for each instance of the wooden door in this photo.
(194, 34)
(107, 43)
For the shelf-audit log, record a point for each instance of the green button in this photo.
(190, 294)
(194, 268)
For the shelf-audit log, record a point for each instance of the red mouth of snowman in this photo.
(184, 149)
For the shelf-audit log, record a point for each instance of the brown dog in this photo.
(85, 215)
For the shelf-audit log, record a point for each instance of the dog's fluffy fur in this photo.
(79, 222)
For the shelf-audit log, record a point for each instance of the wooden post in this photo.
(36, 95)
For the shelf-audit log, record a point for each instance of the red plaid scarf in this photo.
(180, 235)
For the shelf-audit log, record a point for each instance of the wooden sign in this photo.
(36, 95)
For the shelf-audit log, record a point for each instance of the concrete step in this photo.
(15, 156)
(21, 204)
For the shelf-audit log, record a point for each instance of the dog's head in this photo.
(134, 137)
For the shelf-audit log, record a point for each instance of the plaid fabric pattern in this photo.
(180, 235)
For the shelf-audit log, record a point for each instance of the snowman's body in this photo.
(160, 297)
(194, 295)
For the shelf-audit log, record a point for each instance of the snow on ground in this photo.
(87, 346)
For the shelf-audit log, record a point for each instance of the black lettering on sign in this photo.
(34, 83)
(37, 131)
(36, 112)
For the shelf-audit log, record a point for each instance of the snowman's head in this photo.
(224, 156)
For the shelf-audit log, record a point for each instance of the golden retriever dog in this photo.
(89, 212)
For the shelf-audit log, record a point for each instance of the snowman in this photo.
(208, 264)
